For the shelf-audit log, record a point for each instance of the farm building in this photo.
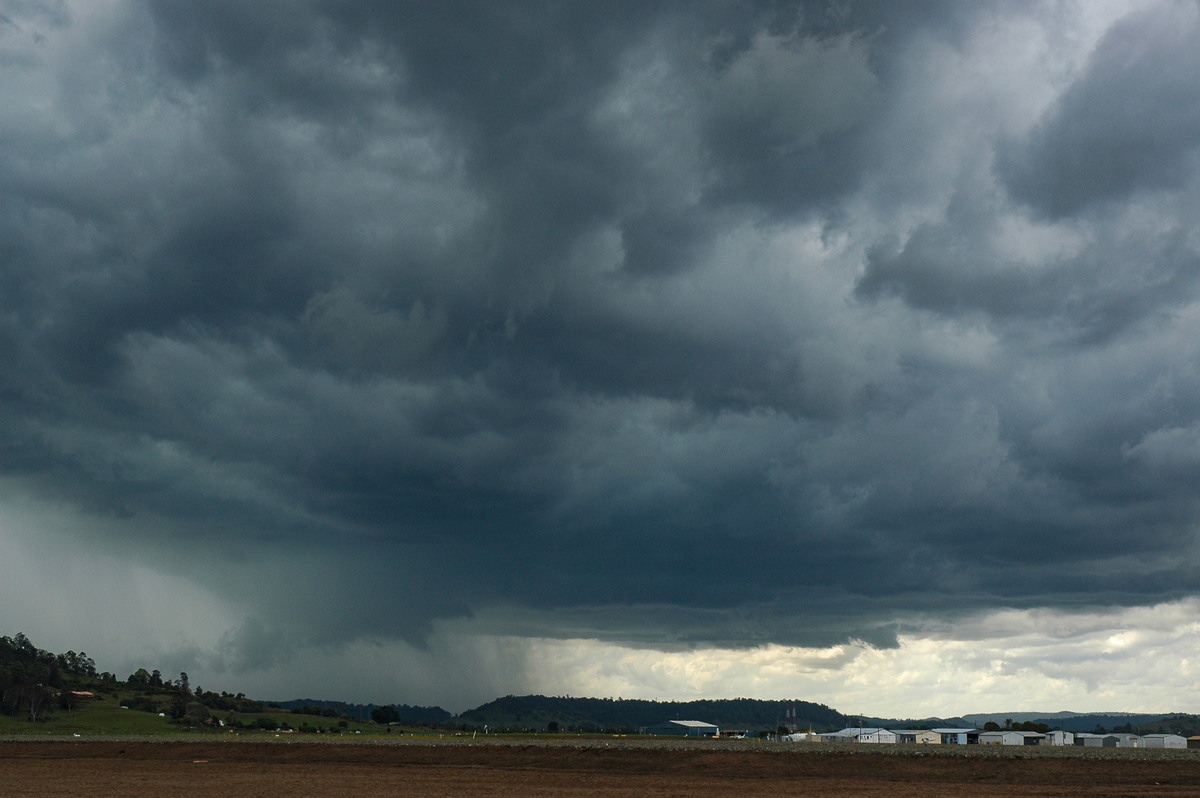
(1193, 742)
(857, 735)
(1164, 741)
(1096, 740)
(876, 736)
(685, 728)
(1129, 741)
(918, 736)
(959, 736)
(1057, 737)
(801, 737)
(1011, 738)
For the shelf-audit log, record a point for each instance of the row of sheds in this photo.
(1003, 737)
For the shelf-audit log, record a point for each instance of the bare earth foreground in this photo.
(597, 767)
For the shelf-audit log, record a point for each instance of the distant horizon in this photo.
(1015, 715)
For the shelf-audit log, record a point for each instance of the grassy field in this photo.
(104, 715)
(556, 768)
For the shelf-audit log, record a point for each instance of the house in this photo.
(918, 736)
(1164, 741)
(1011, 738)
(685, 728)
(959, 736)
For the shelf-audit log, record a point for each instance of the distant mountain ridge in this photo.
(601, 714)
(999, 717)
(1146, 722)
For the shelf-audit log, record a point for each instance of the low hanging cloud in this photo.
(676, 327)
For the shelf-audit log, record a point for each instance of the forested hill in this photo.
(401, 713)
(608, 714)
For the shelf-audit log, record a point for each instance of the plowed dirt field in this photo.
(141, 768)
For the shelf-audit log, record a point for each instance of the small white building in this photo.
(1129, 741)
(1059, 737)
(1164, 741)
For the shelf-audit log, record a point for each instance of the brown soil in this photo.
(139, 768)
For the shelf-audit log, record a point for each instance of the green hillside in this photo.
(42, 693)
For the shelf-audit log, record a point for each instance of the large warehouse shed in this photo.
(685, 728)
(1164, 741)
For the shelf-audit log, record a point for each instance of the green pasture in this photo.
(105, 716)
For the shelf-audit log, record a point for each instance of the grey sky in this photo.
(666, 325)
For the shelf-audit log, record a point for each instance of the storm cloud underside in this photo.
(664, 325)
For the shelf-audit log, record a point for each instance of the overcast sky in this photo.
(429, 352)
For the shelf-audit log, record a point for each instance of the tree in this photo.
(385, 715)
(991, 725)
(183, 695)
(68, 700)
(37, 697)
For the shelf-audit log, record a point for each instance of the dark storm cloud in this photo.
(1130, 122)
(958, 266)
(659, 323)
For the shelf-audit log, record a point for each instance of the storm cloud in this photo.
(667, 326)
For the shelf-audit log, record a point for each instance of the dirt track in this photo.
(597, 768)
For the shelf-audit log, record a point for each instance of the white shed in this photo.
(1164, 741)
(1129, 741)
(1011, 738)
(843, 736)
(686, 728)
(876, 736)
(1001, 738)
(856, 735)
(1058, 737)
(1096, 740)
